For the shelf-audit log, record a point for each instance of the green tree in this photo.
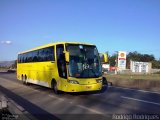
(112, 60)
(135, 56)
(156, 64)
(147, 58)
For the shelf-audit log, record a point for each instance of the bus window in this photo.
(46, 54)
(35, 56)
(49, 54)
(84, 61)
(30, 57)
(19, 58)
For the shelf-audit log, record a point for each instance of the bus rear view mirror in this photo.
(103, 57)
(66, 56)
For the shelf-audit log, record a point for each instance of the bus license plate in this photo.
(88, 87)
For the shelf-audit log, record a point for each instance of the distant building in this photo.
(105, 68)
(140, 67)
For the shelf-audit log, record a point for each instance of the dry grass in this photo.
(134, 77)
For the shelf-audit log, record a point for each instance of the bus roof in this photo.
(51, 44)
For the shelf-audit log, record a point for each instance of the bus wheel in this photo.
(54, 87)
(26, 83)
(104, 81)
(23, 79)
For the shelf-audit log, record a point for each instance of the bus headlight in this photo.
(73, 82)
(99, 81)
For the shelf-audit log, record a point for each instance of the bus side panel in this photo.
(46, 72)
(40, 73)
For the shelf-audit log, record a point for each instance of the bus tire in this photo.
(104, 81)
(54, 87)
(26, 83)
(23, 79)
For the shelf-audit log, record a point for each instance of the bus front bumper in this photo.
(83, 88)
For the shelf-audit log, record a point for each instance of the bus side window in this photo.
(19, 58)
(23, 58)
(29, 57)
(41, 55)
(49, 54)
(35, 56)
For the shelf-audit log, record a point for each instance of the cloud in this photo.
(6, 42)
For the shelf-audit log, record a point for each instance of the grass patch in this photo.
(157, 73)
(134, 77)
(3, 69)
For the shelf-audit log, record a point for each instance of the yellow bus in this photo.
(62, 66)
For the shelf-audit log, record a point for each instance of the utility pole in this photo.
(116, 60)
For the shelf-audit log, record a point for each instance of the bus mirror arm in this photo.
(66, 56)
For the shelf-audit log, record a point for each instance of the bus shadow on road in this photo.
(103, 90)
(50, 91)
(36, 111)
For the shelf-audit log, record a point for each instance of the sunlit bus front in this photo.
(84, 68)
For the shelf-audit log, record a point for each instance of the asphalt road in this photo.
(43, 104)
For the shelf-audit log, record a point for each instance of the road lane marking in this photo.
(148, 91)
(56, 97)
(83, 107)
(92, 110)
(36, 90)
(144, 91)
(144, 101)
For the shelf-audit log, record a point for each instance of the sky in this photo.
(112, 25)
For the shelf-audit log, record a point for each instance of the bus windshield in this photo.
(84, 61)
